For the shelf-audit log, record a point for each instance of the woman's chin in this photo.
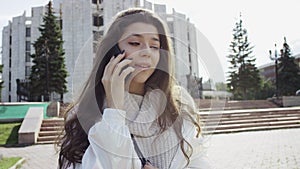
(140, 77)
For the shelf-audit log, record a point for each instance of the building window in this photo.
(95, 1)
(9, 62)
(27, 59)
(27, 71)
(27, 32)
(27, 48)
(97, 35)
(97, 20)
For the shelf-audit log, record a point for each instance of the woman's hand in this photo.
(113, 80)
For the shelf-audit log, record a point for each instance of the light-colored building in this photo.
(17, 38)
(77, 32)
(185, 45)
(268, 70)
(83, 25)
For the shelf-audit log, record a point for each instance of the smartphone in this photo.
(114, 51)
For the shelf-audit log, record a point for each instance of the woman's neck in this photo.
(137, 88)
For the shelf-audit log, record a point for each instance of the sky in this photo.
(267, 22)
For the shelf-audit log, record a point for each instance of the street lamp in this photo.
(275, 58)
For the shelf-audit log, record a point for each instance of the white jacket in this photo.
(111, 146)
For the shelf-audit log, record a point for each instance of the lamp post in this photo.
(275, 58)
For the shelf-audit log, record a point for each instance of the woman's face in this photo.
(142, 44)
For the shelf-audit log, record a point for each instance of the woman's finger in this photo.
(107, 72)
(109, 68)
(116, 60)
(126, 72)
(120, 67)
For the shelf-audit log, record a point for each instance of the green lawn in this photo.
(6, 163)
(9, 133)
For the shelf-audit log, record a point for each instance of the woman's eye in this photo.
(134, 43)
(155, 47)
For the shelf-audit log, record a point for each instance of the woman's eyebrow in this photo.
(139, 35)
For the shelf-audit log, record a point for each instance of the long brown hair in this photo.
(87, 110)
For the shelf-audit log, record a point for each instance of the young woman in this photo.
(131, 114)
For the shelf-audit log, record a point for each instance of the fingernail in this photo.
(129, 58)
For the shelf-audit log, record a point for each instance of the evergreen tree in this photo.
(1, 82)
(288, 72)
(266, 89)
(48, 74)
(243, 79)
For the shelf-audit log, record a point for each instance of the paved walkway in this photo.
(273, 149)
(36, 156)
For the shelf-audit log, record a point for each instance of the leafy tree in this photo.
(243, 79)
(288, 72)
(221, 86)
(48, 74)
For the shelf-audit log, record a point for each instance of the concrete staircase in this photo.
(50, 130)
(215, 122)
(250, 120)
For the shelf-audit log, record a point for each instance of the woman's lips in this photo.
(143, 66)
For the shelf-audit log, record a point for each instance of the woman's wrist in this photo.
(113, 104)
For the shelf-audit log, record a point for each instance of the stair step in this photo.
(52, 124)
(261, 124)
(53, 119)
(256, 120)
(49, 133)
(57, 128)
(47, 138)
(232, 114)
(258, 128)
(46, 142)
(247, 119)
(224, 118)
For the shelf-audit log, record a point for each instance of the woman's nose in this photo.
(145, 50)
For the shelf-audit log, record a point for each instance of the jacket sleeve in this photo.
(110, 146)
